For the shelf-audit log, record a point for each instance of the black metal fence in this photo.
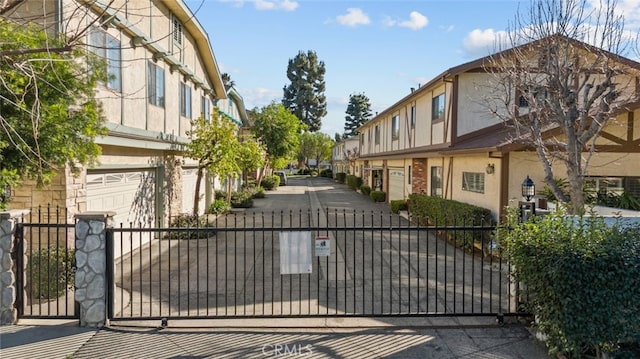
(44, 253)
(378, 265)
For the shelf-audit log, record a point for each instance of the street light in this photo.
(528, 188)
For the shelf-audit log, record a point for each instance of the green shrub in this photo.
(220, 194)
(242, 199)
(582, 279)
(354, 182)
(365, 189)
(436, 211)
(378, 196)
(187, 223)
(398, 205)
(341, 177)
(257, 192)
(50, 272)
(219, 206)
(326, 173)
(270, 182)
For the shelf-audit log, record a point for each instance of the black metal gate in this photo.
(378, 266)
(44, 255)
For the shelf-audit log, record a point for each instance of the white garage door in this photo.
(396, 184)
(189, 177)
(131, 195)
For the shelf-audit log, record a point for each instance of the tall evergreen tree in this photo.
(358, 112)
(304, 96)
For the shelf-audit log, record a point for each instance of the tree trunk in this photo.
(196, 196)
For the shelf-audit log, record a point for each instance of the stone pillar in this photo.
(91, 268)
(8, 269)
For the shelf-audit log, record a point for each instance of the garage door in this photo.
(131, 195)
(189, 178)
(396, 184)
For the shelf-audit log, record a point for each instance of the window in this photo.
(107, 48)
(413, 116)
(176, 31)
(604, 185)
(185, 100)
(205, 108)
(377, 135)
(437, 108)
(436, 181)
(473, 182)
(395, 127)
(156, 85)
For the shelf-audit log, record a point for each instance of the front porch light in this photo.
(528, 188)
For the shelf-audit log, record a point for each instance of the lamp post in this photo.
(527, 207)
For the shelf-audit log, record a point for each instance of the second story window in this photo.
(437, 108)
(413, 116)
(377, 135)
(185, 100)
(107, 48)
(176, 31)
(155, 85)
(205, 108)
(395, 127)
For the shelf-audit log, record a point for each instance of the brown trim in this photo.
(504, 186)
(454, 110)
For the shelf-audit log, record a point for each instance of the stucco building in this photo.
(162, 74)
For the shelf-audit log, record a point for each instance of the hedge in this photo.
(270, 182)
(378, 196)
(354, 182)
(365, 189)
(50, 272)
(583, 279)
(436, 211)
(341, 177)
(398, 205)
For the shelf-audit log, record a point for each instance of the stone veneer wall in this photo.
(91, 274)
(8, 285)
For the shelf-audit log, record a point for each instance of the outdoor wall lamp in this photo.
(491, 168)
(528, 188)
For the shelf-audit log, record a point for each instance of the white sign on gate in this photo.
(295, 253)
(323, 246)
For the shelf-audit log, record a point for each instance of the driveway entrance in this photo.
(312, 248)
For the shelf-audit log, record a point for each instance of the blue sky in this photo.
(379, 48)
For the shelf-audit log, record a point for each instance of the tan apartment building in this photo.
(162, 74)
(440, 140)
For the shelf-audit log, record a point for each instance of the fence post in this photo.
(91, 267)
(8, 266)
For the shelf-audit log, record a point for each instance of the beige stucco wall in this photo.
(473, 112)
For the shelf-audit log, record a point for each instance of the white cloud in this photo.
(416, 21)
(480, 43)
(286, 5)
(354, 17)
(259, 96)
(388, 22)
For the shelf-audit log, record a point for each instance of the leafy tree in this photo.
(358, 112)
(214, 144)
(315, 145)
(226, 79)
(304, 96)
(277, 129)
(49, 117)
(250, 153)
(567, 83)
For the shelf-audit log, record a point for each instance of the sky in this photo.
(381, 48)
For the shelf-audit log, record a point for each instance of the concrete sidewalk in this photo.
(36, 340)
